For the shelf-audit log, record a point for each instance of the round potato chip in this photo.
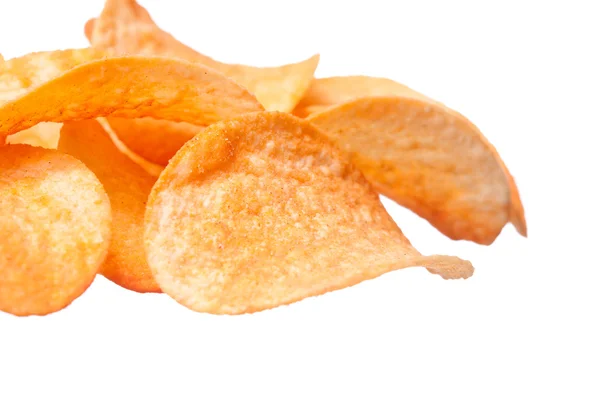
(261, 211)
(429, 159)
(125, 27)
(128, 187)
(54, 229)
(130, 87)
(327, 92)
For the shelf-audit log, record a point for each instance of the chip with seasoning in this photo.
(429, 159)
(132, 87)
(261, 211)
(128, 187)
(54, 229)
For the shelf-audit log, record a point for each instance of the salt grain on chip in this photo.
(54, 229)
(261, 211)
(128, 187)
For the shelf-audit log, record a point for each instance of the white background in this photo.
(523, 327)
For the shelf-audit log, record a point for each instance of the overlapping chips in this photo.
(261, 211)
(54, 229)
(230, 188)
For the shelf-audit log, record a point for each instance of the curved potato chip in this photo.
(44, 134)
(131, 87)
(153, 139)
(125, 27)
(54, 229)
(212, 214)
(19, 75)
(429, 159)
(327, 92)
(128, 187)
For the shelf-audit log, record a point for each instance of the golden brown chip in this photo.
(125, 27)
(153, 139)
(54, 229)
(261, 211)
(429, 159)
(128, 187)
(20, 75)
(130, 87)
(327, 92)
(44, 135)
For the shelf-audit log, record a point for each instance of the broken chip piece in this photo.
(128, 187)
(429, 159)
(54, 229)
(44, 134)
(261, 211)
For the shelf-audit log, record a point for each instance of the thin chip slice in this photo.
(327, 92)
(128, 187)
(54, 229)
(20, 75)
(429, 159)
(45, 135)
(125, 27)
(130, 87)
(152, 139)
(261, 211)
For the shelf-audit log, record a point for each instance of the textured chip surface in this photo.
(429, 159)
(130, 87)
(261, 211)
(128, 187)
(54, 229)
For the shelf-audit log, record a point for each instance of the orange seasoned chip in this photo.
(128, 187)
(261, 211)
(327, 92)
(125, 27)
(44, 135)
(54, 229)
(429, 159)
(153, 139)
(129, 87)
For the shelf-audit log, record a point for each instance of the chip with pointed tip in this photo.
(54, 229)
(128, 187)
(130, 87)
(429, 159)
(212, 214)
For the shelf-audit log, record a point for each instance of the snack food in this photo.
(132, 86)
(54, 229)
(128, 187)
(261, 211)
(430, 159)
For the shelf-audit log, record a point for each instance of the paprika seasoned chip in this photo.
(130, 87)
(327, 92)
(261, 211)
(54, 229)
(429, 159)
(125, 27)
(128, 187)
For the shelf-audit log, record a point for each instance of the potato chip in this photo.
(327, 92)
(429, 159)
(20, 75)
(54, 229)
(130, 87)
(261, 211)
(153, 139)
(128, 187)
(125, 27)
(44, 135)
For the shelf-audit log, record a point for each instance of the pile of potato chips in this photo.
(230, 188)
